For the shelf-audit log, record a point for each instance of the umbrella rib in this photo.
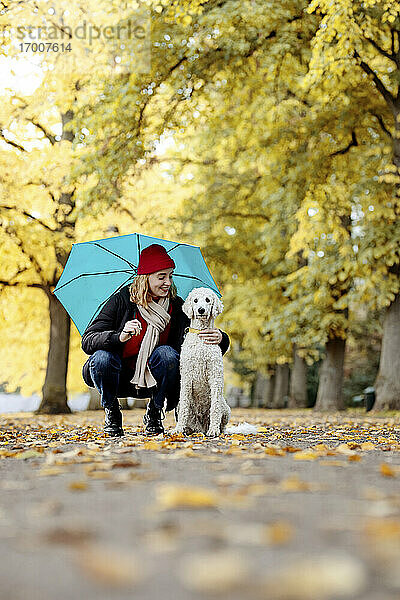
(90, 275)
(181, 244)
(98, 309)
(173, 247)
(116, 255)
(189, 277)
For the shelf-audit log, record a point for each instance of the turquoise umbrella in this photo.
(96, 270)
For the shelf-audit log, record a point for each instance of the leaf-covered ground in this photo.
(309, 508)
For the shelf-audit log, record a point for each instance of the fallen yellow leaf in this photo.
(354, 457)
(182, 496)
(280, 532)
(78, 485)
(306, 455)
(344, 449)
(183, 452)
(387, 470)
(48, 471)
(273, 451)
(353, 445)
(367, 446)
(234, 450)
(321, 447)
(294, 484)
(333, 463)
(152, 445)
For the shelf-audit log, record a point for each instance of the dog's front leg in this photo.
(226, 413)
(184, 405)
(216, 381)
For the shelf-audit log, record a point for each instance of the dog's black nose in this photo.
(201, 310)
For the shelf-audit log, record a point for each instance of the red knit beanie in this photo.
(154, 258)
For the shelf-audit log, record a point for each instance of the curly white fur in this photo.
(202, 407)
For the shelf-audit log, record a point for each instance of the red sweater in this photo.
(132, 346)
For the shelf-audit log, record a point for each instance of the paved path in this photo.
(309, 508)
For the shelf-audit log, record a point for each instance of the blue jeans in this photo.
(112, 379)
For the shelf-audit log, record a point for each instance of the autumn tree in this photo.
(40, 206)
(280, 141)
(191, 76)
(356, 49)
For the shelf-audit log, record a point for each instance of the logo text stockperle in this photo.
(84, 31)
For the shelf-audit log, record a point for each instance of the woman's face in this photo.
(160, 282)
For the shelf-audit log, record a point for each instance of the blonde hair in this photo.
(140, 293)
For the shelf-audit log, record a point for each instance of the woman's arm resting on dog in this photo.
(210, 336)
(215, 336)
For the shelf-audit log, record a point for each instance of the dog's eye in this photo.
(195, 300)
(207, 299)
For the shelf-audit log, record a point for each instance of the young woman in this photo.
(135, 341)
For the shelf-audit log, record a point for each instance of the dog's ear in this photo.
(217, 307)
(187, 307)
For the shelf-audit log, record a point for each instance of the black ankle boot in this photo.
(152, 419)
(113, 421)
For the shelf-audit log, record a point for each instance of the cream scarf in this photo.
(157, 317)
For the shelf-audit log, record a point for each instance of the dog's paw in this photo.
(212, 432)
(178, 430)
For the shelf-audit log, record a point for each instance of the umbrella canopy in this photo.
(96, 270)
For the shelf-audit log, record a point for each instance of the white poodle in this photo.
(202, 407)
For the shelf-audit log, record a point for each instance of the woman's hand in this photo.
(131, 328)
(210, 336)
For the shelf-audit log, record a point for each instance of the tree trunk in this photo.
(387, 384)
(298, 382)
(262, 390)
(94, 400)
(123, 402)
(269, 391)
(330, 387)
(54, 392)
(281, 388)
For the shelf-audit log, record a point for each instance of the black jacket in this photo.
(103, 333)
